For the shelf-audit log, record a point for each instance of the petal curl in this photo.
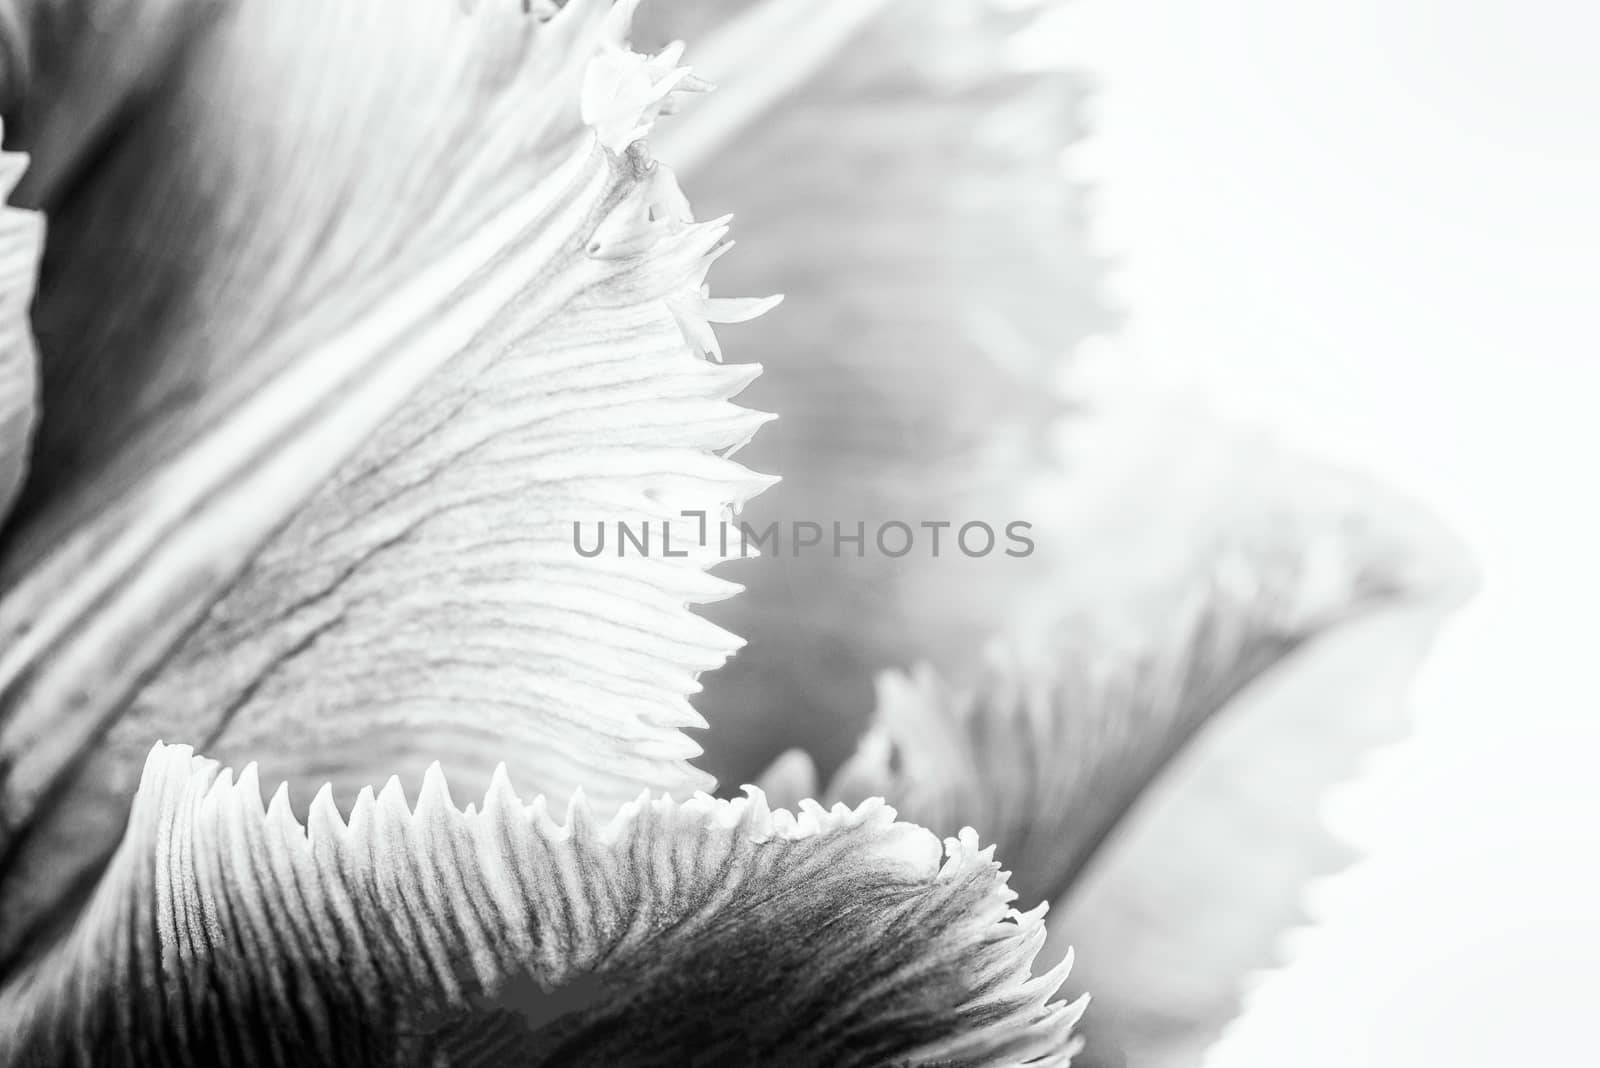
(701, 932)
(1253, 565)
(368, 557)
(21, 238)
(1206, 878)
(912, 201)
(1068, 725)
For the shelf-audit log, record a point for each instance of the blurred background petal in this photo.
(1208, 876)
(1089, 741)
(1070, 723)
(910, 197)
(72, 71)
(1373, 226)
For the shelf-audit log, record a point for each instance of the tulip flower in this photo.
(327, 330)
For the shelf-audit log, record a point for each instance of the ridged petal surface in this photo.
(416, 339)
(702, 932)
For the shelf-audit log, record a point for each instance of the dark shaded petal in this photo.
(702, 932)
(72, 70)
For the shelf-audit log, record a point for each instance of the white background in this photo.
(1374, 223)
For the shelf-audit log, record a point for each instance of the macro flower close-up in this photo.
(458, 608)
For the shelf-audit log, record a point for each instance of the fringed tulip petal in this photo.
(371, 558)
(674, 933)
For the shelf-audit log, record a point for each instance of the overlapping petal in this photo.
(309, 491)
(402, 381)
(1248, 571)
(910, 196)
(71, 70)
(1069, 724)
(236, 200)
(700, 932)
(21, 238)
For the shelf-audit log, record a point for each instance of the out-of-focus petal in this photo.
(697, 20)
(70, 70)
(368, 559)
(912, 201)
(21, 238)
(1067, 726)
(707, 932)
(1250, 564)
(1204, 880)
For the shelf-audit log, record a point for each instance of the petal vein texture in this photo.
(702, 932)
